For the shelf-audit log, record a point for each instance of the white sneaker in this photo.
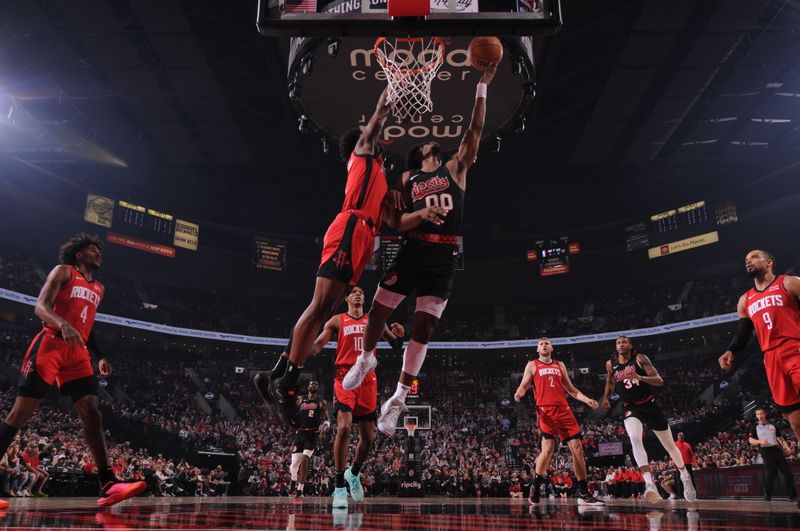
(390, 412)
(360, 369)
(651, 493)
(672, 496)
(688, 488)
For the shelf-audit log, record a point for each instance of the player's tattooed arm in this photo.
(326, 335)
(652, 378)
(609, 386)
(57, 279)
(371, 131)
(525, 384)
(573, 391)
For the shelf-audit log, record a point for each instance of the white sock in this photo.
(366, 354)
(648, 477)
(414, 357)
(401, 391)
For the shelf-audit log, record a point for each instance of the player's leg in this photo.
(668, 442)
(635, 430)
(548, 448)
(341, 445)
(302, 474)
(262, 380)
(366, 438)
(297, 458)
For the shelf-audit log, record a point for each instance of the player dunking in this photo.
(313, 420)
(59, 355)
(427, 261)
(772, 308)
(551, 383)
(358, 405)
(632, 376)
(347, 249)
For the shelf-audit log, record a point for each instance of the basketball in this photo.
(485, 50)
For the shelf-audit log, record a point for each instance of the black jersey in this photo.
(310, 414)
(437, 188)
(624, 376)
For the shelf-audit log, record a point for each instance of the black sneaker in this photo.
(262, 381)
(793, 496)
(588, 499)
(285, 402)
(533, 496)
(298, 497)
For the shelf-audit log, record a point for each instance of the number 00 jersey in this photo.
(548, 389)
(775, 315)
(626, 382)
(437, 189)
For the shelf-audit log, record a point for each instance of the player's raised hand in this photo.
(593, 404)
(434, 214)
(105, 368)
(398, 330)
(488, 74)
(70, 335)
(726, 361)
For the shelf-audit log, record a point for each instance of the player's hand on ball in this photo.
(70, 335)
(726, 361)
(488, 74)
(434, 214)
(105, 368)
(592, 404)
(398, 330)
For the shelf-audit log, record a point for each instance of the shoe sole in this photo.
(354, 387)
(340, 506)
(652, 496)
(116, 498)
(278, 411)
(597, 503)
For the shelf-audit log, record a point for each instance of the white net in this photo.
(410, 65)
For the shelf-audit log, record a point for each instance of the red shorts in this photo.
(50, 360)
(361, 401)
(347, 248)
(558, 421)
(783, 374)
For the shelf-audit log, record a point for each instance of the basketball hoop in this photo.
(410, 424)
(410, 65)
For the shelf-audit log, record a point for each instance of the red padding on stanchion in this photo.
(409, 8)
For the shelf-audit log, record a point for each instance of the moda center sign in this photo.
(338, 92)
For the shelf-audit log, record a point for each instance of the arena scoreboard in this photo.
(140, 227)
(269, 254)
(553, 255)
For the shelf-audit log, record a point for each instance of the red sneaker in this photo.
(3, 504)
(114, 492)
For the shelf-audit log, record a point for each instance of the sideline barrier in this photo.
(740, 481)
(463, 345)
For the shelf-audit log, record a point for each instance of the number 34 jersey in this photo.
(548, 389)
(775, 315)
(626, 380)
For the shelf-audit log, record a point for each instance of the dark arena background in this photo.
(636, 173)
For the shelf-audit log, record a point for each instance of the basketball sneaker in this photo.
(340, 498)
(688, 488)
(360, 369)
(298, 497)
(651, 493)
(390, 412)
(117, 491)
(588, 499)
(534, 496)
(285, 401)
(3, 504)
(262, 381)
(356, 490)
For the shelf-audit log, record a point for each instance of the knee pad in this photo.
(431, 305)
(387, 298)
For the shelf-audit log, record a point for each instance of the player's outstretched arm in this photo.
(609, 386)
(331, 326)
(525, 384)
(57, 279)
(371, 131)
(573, 391)
(652, 378)
(744, 331)
(326, 424)
(471, 141)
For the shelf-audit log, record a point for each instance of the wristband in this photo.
(480, 91)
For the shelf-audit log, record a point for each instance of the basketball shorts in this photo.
(558, 422)
(48, 361)
(362, 401)
(305, 440)
(649, 413)
(783, 374)
(428, 268)
(347, 248)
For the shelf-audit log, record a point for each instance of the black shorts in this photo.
(649, 413)
(305, 440)
(428, 268)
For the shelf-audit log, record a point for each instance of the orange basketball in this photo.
(485, 50)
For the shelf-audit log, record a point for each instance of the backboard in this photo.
(422, 414)
(370, 18)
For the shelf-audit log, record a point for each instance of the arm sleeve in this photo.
(744, 330)
(94, 348)
(396, 343)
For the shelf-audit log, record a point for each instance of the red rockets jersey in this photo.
(350, 340)
(775, 315)
(548, 389)
(77, 302)
(366, 188)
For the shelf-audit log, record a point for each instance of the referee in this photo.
(765, 436)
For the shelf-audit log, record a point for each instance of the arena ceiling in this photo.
(184, 105)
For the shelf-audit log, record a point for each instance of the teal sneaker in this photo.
(356, 490)
(340, 498)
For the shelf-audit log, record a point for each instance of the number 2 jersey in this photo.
(548, 389)
(775, 315)
(626, 381)
(310, 411)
